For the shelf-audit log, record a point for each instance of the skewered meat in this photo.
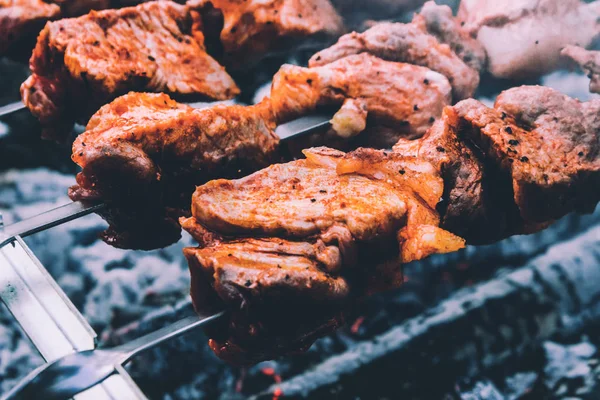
(589, 61)
(138, 137)
(524, 38)
(501, 173)
(430, 41)
(251, 28)
(545, 144)
(323, 224)
(81, 63)
(404, 97)
(314, 233)
(145, 152)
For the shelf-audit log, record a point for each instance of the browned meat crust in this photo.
(545, 148)
(144, 153)
(252, 28)
(404, 97)
(589, 61)
(309, 235)
(524, 38)
(81, 63)
(433, 40)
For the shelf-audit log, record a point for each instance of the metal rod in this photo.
(11, 108)
(46, 220)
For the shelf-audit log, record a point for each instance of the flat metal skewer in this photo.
(76, 372)
(11, 108)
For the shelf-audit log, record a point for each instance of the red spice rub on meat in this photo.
(81, 63)
(309, 236)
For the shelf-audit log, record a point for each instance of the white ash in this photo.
(568, 371)
(483, 390)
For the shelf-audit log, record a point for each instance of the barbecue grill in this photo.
(473, 320)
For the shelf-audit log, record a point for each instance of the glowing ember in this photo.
(356, 325)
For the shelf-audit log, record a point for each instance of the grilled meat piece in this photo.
(252, 28)
(515, 168)
(404, 97)
(545, 146)
(144, 153)
(524, 38)
(589, 61)
(20, 22)
(324, 226)
(81, 63)
(429, 41)
(438, 21)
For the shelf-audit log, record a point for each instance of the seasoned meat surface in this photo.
(407, 98)
(589, 61)
(414, 44)
(523, 38)
(319, 226)
(144, 153)
(81, 63)
(545, 144)
(252, 28)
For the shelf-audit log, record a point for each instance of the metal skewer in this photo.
(76, 372)
(11, 108)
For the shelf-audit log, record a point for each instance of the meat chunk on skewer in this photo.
(145, 153)
(325, 227)
(524, 38)
(22, 20)
(404, 97)
(255, 27)
(433, 40)
(546, 145)
(589, 61)
(515, 168)
(80, 64)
